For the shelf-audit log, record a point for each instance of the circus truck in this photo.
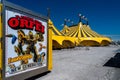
(25, 43)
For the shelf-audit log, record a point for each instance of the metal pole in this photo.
(65, 20)
(80, 17)
(48, 13)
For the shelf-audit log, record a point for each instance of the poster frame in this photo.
(10, 6)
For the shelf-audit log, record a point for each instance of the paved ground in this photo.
(81, 64)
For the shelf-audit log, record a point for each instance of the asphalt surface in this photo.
(81, 64)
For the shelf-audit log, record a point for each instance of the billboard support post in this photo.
(0, 41)
(50, 47)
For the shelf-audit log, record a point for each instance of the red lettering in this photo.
(23, 22)
(43, 29)
(13, 23)
(31, 24)
(17, 16)
(39, 27)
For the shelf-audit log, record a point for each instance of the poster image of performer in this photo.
(25, 42)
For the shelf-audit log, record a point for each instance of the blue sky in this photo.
(103, 15)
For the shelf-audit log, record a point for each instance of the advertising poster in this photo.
(25, 43)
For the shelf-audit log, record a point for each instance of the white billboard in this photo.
(25, 43)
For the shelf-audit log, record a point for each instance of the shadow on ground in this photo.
(38, 76)
(114, 61)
